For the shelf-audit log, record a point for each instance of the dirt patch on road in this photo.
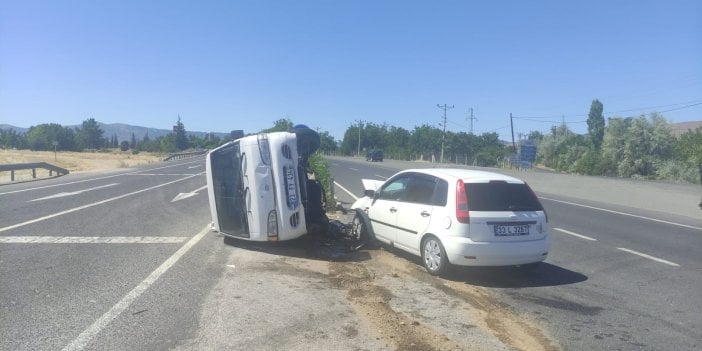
(489, 314)
(371, 301)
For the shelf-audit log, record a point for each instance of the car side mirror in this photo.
(369, 193)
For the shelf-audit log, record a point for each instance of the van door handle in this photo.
(425, 214)
(393, 210)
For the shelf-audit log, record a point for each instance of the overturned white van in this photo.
(258, 186)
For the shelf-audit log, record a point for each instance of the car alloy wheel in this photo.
(358, 228)
(434, 256)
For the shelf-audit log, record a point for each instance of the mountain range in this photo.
(124, 131)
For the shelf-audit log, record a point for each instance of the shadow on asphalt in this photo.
(544, 274)
(315, 247)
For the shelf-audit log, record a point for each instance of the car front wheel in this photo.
(434, 256)
(359, 230)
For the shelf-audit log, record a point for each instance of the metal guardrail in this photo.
(182, 155)
(12, 167)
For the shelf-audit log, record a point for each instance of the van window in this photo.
(229, 190)
(501, 196)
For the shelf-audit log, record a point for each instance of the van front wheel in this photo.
(434, 256)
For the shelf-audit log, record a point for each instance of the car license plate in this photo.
(511, 230)
(290, 187)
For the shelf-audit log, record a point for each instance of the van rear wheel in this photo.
(434, 256)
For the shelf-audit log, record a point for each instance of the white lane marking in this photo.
(161, 174)
(92, 239)
(624, 214)
(346, 190)
(191, 167)
(575, 234)
(73, 192)
(379, 176)
(353, 169)
(182, 196)
(91, 205)
(92, 179)
(88, 334)
(649, 257)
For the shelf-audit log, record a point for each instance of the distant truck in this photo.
(259, 189)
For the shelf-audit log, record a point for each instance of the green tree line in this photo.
(641, 147)
(89, 136)
(424, 143)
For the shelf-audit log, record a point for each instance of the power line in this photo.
(687, 105)
(443, 136)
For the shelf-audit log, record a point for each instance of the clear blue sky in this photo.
(224, 65)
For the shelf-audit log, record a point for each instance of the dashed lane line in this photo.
(575, 234)
(94, 329)
(649, 257)
(92, 239)
(72, 193)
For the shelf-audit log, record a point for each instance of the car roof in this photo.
(467, 175)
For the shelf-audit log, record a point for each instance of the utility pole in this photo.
(511, 122)
(471, 118)
(360, 125)
(443, 136)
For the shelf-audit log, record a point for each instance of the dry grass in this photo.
(73, 161)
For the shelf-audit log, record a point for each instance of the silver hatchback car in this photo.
(455, 217)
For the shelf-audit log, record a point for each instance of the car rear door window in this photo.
(420, 190)
(501, 196)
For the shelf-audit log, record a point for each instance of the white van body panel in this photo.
(254, 188)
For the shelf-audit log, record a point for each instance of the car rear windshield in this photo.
(501, 196)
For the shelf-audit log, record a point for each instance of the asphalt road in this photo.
(125, 260)
(618, 277)
(84, 255)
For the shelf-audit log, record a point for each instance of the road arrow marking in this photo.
(73, 192)
(182, 196)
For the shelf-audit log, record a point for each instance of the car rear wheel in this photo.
(434, 256)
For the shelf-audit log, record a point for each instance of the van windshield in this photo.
(501, 196)
(229, 192)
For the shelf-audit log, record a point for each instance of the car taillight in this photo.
(462, 213)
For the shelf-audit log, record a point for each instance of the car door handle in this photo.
(425, 214)
(393, 210)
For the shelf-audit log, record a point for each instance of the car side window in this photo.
(420, 190)
(394, 190)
